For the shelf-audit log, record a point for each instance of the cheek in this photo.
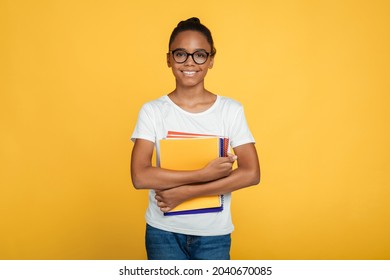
(204, 72)
(176, 72)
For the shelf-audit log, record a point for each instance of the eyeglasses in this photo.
(181, 56)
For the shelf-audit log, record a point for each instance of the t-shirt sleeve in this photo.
(145, 126)
(239, 130)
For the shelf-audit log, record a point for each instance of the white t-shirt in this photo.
(225, 118)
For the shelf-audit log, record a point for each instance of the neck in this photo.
(193, 99)
(191, 92)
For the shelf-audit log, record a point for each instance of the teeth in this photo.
(189, 72)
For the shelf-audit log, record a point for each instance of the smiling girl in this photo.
(191, 108)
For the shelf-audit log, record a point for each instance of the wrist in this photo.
(201, 176)
(186, 192)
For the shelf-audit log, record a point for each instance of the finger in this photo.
(161, 204)
(232, 157)
(165, 209)
(228, 160)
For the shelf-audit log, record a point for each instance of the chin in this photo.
(190, 83)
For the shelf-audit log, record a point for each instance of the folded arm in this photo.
(247, 174)
(146, 176)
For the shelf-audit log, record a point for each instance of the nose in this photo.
(190, 60)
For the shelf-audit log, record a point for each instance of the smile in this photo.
(189, 73)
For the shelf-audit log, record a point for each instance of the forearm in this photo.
(238, 179)
(160, 179)
(146, 176)
(247, 174)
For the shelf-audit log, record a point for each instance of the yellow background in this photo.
(313, 77)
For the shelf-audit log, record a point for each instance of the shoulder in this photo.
(227, 101)
(228, 104)
(155, 105)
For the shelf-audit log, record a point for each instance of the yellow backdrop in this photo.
(312, 75)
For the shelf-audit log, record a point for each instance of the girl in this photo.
(191, 108)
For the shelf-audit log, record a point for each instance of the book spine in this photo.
(223, 147)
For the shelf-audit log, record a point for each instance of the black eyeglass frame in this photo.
(188, 55)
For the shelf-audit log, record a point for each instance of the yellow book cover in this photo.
(191, 154)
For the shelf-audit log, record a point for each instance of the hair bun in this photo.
(193, 20)
(193, 24)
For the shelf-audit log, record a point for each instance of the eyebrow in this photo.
(183, 49)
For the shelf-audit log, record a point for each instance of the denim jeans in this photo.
(165, 245)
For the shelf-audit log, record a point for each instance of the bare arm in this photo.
(247, 174)
(145, 176)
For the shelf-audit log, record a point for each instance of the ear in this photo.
(168, 60)
(211, 62)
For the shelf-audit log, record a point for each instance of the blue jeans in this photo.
(165, 245)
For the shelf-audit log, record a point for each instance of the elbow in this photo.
(138, 186)
(138, 183)
(250, 177)
(255, 178)
(258, 180)
(139, 178)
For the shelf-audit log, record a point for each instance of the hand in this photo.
(219, 168)
(170, 198)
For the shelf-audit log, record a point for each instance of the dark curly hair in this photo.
(195, 25)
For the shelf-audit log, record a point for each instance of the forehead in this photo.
(190, 40)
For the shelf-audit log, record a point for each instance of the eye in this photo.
(180, 54)
(201, 54)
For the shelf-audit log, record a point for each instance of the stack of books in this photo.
(189, 151)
